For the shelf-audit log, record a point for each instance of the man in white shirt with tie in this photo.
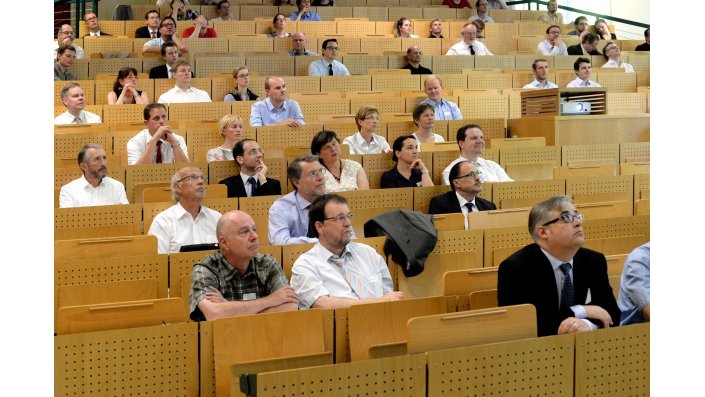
(93, 25)
(183, 92)
(328, 65)
(74, 100)
(170, 54)
(156, 143)
(252, 179)
(469, 46)
(583, 71)
(337, 272)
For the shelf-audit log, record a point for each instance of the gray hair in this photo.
(174, 180)
(293, 172)
(541, 212)
(84, 150)
(67, 87)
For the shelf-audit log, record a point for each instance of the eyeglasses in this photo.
(314, 174)
(243, 75)
(566, 218)
(299, 40)
(612, 48)
(92, 19)
(554, 32)
(332, 48)
(416, 53)
(253, 152)
(67, 33)
(374, 118)
(193, 177)
(340, 218)
(168, 25)
(471, 175)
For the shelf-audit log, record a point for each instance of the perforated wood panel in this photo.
(616, 81)
(355, 28)
(377, 162)
(399, 128)
(130, 362)
(485, 80)
(359, 64)
(546, 154)
(198, 46)
(244, 44)
(283, 137)
(67, 146)
(444, 64)
(593, 187)
(501, 242)
(576, 154)
(500, 30)
(180, 265)
(634, 151)
(640, 61)
(204, 66)
(393, 376)
(250, 12)
(616, 227)
(641, 186)
(623, 103)
(613, 361)
(346, 83)
(539, 188)
(153, 173)
(366, 204)
(84, 222)
(123, 114)
(88, 87)
(225, 28)
(484, 106)
(274, 65)
(201, 111)
(106, 44)
(384, 105)
(528, 367)
(396, 83)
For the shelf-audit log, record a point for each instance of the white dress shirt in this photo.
(614, 64)
(80, 54)
(138, 145)
(578, 83)
(177, 95)
(546, 48)
(463, 48)
(86, 117)
(537, 84)
(319, 67)
(491, 171)
(175, 227)
(464, 208)
(80, 193)
(358, 145)
(485, 19)
(313, 276)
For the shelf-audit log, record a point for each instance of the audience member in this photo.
(298, 42)
(457, 3)
(469, 46)
(125, 89)
(365, 140)
(641, 47)
(304, 13)
(337, 272)
(323, 3)
(94, 187)
(288, 215)
(237, 279)
(553, 45)
(587, 45)
(603, 30)
(278, 27)
(552, 17)
(72, 97)
(567, 284)
(183, 92)
(151, 28)
(252, 179)
(413, 61)
(167, 29)
(497, 5)
(276, 109)
(581, 27)
(170, 54)
(242, 91)
(409, 170)
(540, 69)
(471, 142)
(635, 290)
(328, 65)
(435, 28)
(613, 55)
(480, 28)
(225, 13)
(156, 143)
(425, 120)
(403, 29)
(443, 109)
(230, 127)
(481, 12)
(64, 60)
(93, 25)
(187, 221)
(583, 71)
(199, 29)
(465, 184)
(180, 10)
(342, 174)
(65, 36)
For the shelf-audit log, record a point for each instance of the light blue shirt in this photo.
(263, 113)
(445, 110)
(320, 68)
(310, 16)
(635, 290)
(288, 220)
(537, 84)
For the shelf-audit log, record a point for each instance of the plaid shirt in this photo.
(263, 276)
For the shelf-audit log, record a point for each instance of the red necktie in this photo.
(159, 151)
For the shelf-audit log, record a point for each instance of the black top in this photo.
(393, 178)
(251, 96)
(434, 37)
(134, 100)
(419, 70)
(643, 47)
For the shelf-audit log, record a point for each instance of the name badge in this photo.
(249, 296)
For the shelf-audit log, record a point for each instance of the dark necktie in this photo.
(472, 50)
(154, 34)
(330, 69)
(253, 185)
(469, 204)
(568, 292)
(159, 151)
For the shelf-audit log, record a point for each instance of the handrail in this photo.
(561, 7)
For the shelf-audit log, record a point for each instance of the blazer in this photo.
(237, 189)
(160, 72)
(143, 33)
(578, 50)
(527, 277)
(101, 33)
(447, 203)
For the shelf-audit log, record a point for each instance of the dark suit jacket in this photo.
(578, 50)
(143, 33)
(447, 203)
(160, 72)
(527, 277)
(237, 189)
(101, 33)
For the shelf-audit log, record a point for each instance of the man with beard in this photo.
(94, 187)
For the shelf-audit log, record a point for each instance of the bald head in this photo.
(299, 41)
(237, 237)
(230, 220)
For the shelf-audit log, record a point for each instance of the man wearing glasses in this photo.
(187, 221)
(288, 215)
(252, 179)
(465, 184)
(566, 283)
(553, 45)
(469, 46)
(156, 143)
(337, 272)
(298, 42)
(413, 61)
(93, 25)
(328, 65)
(65, 36)
(167, 29)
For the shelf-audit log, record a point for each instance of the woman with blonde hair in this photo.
(403, 28)
(365, 141)
(231, 129)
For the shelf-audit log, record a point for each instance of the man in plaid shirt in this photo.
(236, 280)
